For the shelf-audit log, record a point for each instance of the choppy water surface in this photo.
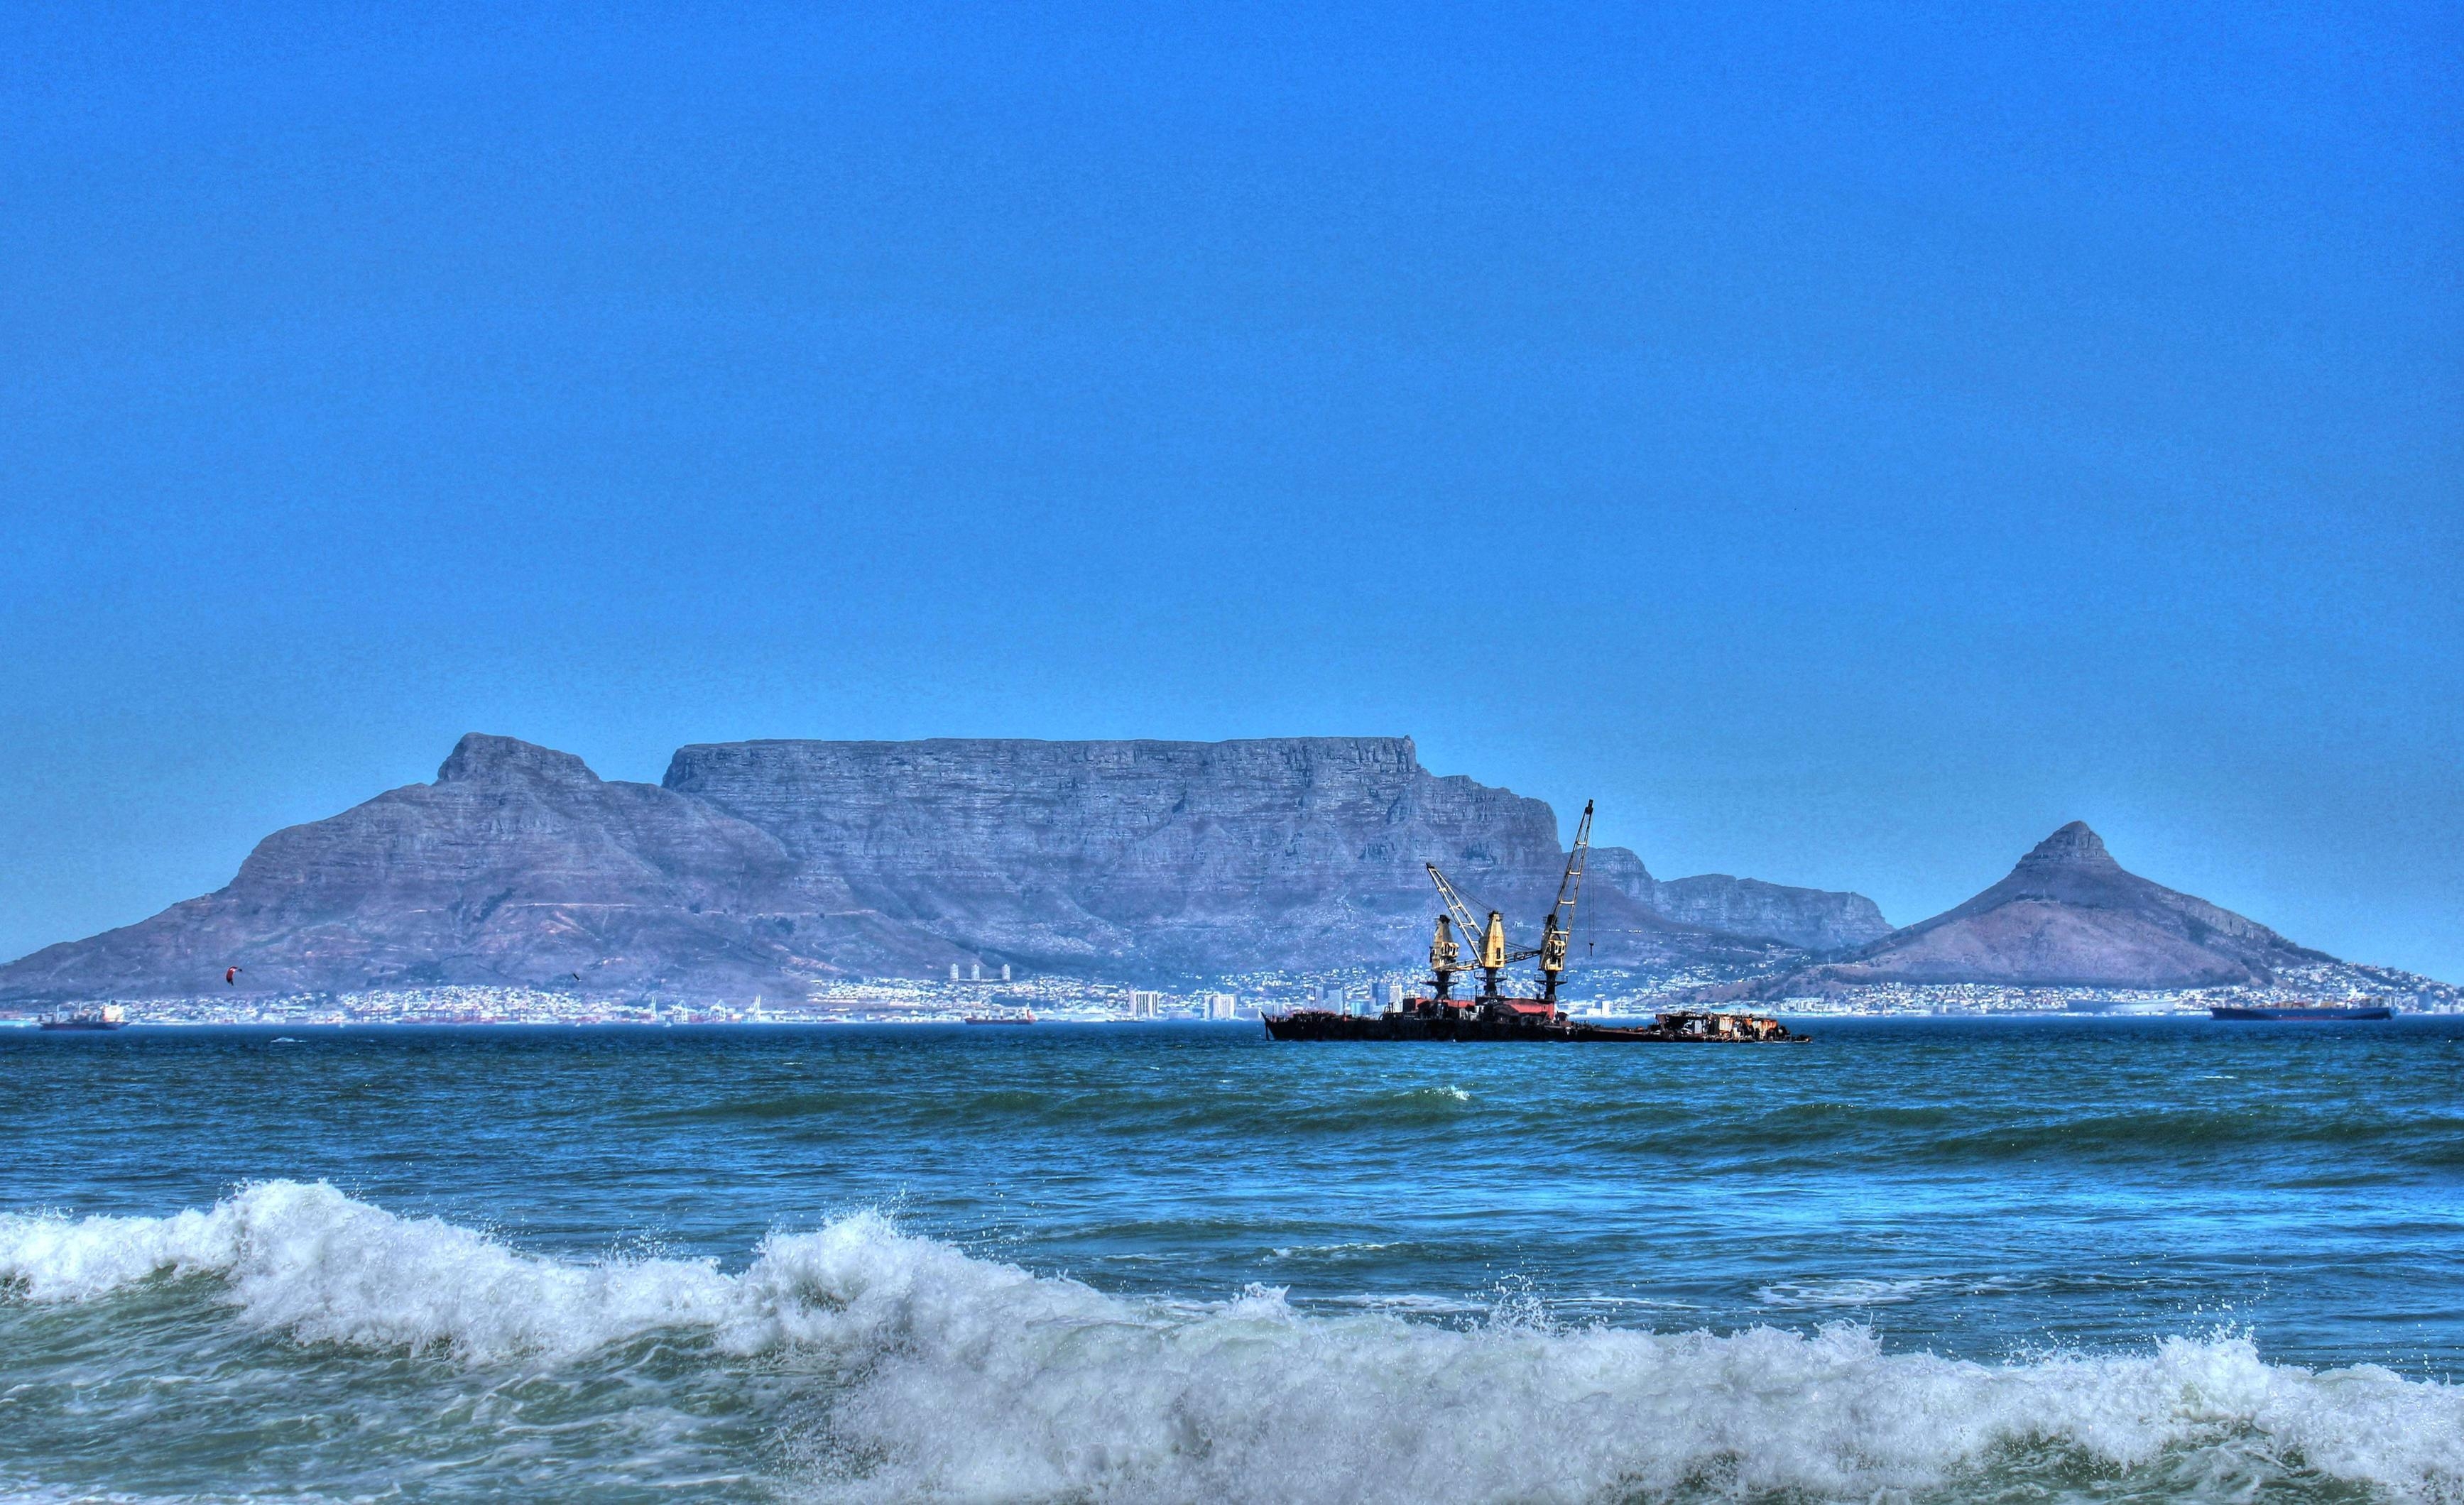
(1946, 1260)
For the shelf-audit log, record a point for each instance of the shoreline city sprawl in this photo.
(1245, 997)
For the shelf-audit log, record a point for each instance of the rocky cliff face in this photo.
(1809, 919)
(1198, 856)
(518, 865)
(2069, 915)
(1208, 856)
(759, 865)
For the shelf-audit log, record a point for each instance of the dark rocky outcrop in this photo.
(2068, 916)
(757, 866)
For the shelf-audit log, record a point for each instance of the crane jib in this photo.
(1492, 953)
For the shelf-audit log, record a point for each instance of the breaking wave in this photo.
(948, 1376)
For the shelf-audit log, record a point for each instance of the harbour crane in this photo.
(1445, 957)
(1492, 955)
(1559, 928)
(1490, 958)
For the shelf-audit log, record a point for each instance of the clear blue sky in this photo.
(1847, 441)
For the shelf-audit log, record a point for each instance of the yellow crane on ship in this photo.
(1492, 955)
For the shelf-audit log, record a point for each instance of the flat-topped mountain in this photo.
(2069, 915)
(1206, 856)
(760, 867)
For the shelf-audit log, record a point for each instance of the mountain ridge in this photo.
(762, 866)
(2067, 915)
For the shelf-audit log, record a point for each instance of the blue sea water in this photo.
(1923, 1259)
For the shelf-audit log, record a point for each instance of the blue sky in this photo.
(1846, 442)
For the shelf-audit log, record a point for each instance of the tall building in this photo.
(953, 971)
(1004, 972)
(975, 971)
(1222, 1005)
(1145, 1004)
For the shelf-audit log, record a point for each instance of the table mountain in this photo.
(2068, 915)
(757, 866)
(1208, 856)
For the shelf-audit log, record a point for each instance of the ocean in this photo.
(1919, 1260)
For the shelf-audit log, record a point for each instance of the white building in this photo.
(1145, 1004)
(1222, 1005)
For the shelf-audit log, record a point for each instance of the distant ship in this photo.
(109, 1016)
(1021, 1017)
(1520, 1019)
(2300, 1011)
(1493, 1016)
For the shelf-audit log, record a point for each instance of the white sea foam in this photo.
(957, 1377)
(1853, 1291)
(1327, 1250)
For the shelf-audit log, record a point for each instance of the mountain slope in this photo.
(758, 866)
(1208, 856)
(2069, 915)
(1809, 919)
(518, 865)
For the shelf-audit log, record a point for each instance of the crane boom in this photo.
(1570, 888)
(1558, 929)
(1492, 956)
(1455, 904)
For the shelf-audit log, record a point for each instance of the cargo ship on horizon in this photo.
(1491, 1014)
(108, 1016)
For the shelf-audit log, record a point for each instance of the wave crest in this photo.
(952, 1375)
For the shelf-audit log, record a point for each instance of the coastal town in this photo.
(1603, 995)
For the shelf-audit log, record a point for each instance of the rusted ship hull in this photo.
(1470, 1025)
